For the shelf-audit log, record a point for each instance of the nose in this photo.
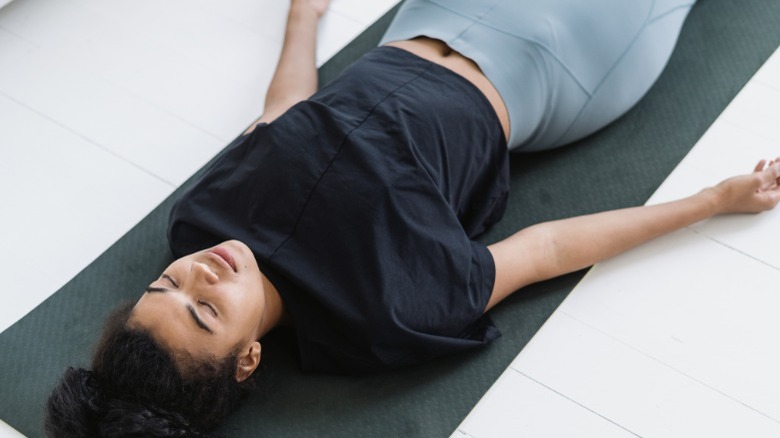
(202, 270)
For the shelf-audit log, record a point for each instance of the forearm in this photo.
(575, 243)
(555, 248)
(295, 78)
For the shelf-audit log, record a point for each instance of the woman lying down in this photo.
(350, 213)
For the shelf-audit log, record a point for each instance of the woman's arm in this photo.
(295, 78)
(555, 248)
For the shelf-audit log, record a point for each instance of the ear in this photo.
(248, 360)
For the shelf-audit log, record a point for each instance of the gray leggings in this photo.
(564, 68)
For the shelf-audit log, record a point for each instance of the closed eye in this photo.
(209, 306)
(171, 280)
(199, 321)
(166, 277)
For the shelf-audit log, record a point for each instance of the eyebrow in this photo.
(191, 309)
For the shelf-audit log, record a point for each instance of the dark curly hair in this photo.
(137, 387)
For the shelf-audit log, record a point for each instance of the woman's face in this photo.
(207, 303)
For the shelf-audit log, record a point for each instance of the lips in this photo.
(223, 254)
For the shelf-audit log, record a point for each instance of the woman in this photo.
(350, 213)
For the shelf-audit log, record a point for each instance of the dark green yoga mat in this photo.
(722, 45)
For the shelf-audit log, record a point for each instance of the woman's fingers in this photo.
(770, 175)
(768, 192)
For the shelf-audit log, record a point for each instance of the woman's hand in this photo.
(752, 193)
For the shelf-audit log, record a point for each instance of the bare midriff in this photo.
(440, 53)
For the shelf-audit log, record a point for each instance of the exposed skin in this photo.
(246, 305)
(555, 248)
(214, 302)
(295, 78)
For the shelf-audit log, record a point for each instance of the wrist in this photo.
(302, 10)
(302, 22)
(713, 199)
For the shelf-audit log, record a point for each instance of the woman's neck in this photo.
(274, 313)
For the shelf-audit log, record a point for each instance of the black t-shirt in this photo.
(360, 205)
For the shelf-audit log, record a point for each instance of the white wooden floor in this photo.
(107, 106)
(678, 338)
